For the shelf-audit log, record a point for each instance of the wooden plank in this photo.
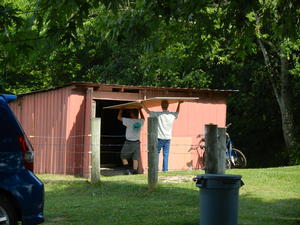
(151, 102)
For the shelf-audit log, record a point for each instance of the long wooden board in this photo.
(151, 102)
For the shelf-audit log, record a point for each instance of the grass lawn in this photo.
(269, 197)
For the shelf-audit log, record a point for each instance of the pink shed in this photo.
(57, 122)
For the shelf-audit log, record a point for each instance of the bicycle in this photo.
(234, 157)
(200, 149)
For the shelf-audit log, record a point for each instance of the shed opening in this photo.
(112, 134)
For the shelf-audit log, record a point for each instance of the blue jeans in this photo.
(165, 145)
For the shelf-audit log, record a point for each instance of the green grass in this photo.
(269, 197)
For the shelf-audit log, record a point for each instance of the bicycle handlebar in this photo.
(228, 125)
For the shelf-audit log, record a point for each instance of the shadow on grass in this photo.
(125, 203)
(253, 210)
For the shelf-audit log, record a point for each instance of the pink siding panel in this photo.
(54, 122)
(75, 132)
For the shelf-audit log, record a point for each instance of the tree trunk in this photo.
(282, 88)
(285, 104)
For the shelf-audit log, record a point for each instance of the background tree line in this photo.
(252, 47)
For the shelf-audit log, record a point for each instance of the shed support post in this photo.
(215, 142)
(95, 147)
(152, 152)
(86, 172)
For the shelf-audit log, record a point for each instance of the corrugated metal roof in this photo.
(97, 85)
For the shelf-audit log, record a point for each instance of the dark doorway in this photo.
(112, 134)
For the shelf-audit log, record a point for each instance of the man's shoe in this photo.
(127, 172)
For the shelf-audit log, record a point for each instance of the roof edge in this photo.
(98, 85)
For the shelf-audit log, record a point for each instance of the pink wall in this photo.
(53, 121)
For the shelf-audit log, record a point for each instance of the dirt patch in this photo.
(176, 179)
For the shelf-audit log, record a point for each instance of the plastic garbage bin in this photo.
(218, 198)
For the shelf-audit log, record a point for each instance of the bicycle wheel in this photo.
(239, 159)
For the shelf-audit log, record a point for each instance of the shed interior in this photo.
(112, 134)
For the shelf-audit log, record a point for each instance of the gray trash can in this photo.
(218, 198)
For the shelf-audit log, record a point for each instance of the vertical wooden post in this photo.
(86, 170)
(221, 150)
(211, 147)
(215, 149)
(152, 152)
(95, 147)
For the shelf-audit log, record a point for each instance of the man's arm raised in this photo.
(178, 106)
(145, 108)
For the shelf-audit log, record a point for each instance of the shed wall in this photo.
(57, 123)
(54, 123)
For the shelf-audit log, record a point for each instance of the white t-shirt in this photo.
(133, 128)
(165, 123)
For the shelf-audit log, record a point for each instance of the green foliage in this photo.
(255, 116)
(9, 19)
(193, 44)
(294, 155)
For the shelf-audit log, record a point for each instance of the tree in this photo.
(279, 44)
(275, 26)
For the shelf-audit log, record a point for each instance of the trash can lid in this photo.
(218, 177)
(218, 181)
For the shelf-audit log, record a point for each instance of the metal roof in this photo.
(98, 85)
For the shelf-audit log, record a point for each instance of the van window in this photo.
(9, 130)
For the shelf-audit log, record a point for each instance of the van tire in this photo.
(8, 210)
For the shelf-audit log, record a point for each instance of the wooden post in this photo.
(215, 149)
(221, 150)
(95, 147)
(152, 152)
(86, 171)
(211, 147)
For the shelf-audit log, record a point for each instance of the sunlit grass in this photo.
(269, 197)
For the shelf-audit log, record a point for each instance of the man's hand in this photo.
(120, 115)
(145, 108)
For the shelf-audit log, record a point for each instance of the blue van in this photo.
(21, 192)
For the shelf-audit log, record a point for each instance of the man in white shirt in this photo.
(131, 147)
(165, 127)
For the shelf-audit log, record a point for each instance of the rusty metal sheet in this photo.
(151, 102)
